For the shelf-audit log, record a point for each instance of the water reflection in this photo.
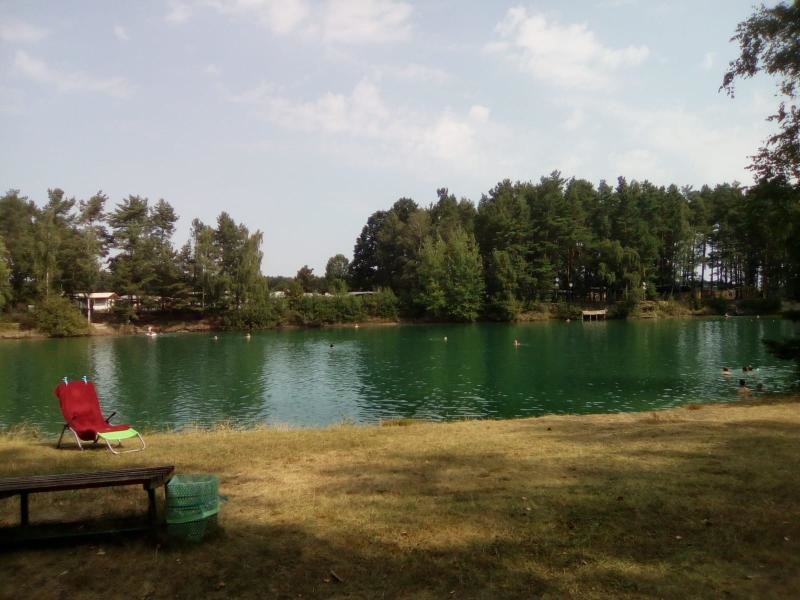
(318, 377)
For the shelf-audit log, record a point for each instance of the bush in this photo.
(503, 307)
(58, 317)
(312, 311)
(673, 308)
(124, 312)
(759, 306)
(567, 311)
(263, 313)
(380, 305)
(717, 306)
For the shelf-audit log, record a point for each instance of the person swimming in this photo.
(743, 390)
(726, 371)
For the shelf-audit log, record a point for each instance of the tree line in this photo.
(66, 248)
(566, 240)
(558, 239)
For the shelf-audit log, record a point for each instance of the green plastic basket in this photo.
(192, 503)
(192, 531)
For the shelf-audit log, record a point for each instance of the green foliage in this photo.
(567, 311)
(383, 304)
(5, 276)
(124, 312)
(305, 277)
(450, 277)
(717, 306)
(312, 310)
(262, 313)
(769, 42)
(58, 317)
(527, 242)
(336, 273)
(759, 306)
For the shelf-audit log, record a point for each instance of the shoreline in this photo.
(204, 325)
(764, 399)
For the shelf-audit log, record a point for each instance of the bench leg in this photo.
(152, 512)
(23, 509)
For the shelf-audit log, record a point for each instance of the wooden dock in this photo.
(594, 315)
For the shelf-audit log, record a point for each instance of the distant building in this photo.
(101, 302)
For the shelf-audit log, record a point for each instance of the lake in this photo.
(323, 376)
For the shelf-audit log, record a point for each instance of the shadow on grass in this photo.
(706, 511)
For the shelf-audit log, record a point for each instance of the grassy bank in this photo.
(697, 502)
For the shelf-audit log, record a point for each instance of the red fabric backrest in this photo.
(80, 405)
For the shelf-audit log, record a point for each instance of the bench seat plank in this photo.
(150, 477)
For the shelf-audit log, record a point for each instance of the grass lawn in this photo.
(698, 502)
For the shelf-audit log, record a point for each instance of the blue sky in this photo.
(301, 118)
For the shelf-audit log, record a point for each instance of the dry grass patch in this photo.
(675, 504)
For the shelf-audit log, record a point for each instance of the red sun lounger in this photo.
(81, 409)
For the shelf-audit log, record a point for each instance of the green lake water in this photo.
(298, 378)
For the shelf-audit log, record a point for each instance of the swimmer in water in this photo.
(726, 371)
(743, 390)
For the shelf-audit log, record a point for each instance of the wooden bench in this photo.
(150, 478)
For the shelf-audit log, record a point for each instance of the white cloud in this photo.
(38, 71)
(708, 60)
(334, 21)
(565, 56)
(366, 21)
(213, 70)
(179, 12)
(479, 113)
(664, 144)
(121, 34)
(278, 16)
(617, 3)
(18, 32)
(415, 73)
(393, 134)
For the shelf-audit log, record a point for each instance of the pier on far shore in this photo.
(594, 315)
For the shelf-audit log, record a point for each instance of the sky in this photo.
(301, 118)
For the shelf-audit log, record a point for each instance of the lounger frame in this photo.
(97, 438)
